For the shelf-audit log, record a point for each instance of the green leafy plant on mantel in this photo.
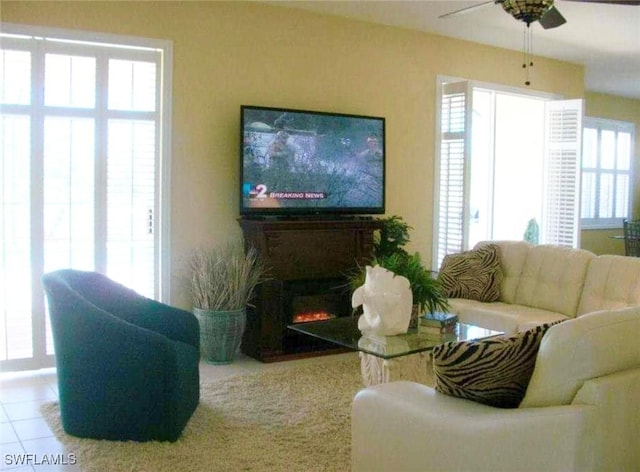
(389, 252)
(392, 237)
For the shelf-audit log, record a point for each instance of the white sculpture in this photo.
(386, 301)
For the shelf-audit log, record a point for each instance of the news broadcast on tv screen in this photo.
(296, 160)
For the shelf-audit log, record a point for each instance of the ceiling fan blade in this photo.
(467, 9)
(552, 19)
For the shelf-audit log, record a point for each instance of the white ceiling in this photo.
(604, 37)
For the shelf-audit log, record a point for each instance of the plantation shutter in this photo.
(451, 196)
(606, 186)
(132, 163)
(561, 207)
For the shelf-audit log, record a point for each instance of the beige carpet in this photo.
(285, 419)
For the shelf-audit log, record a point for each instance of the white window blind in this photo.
(131, 184)
(451, 197)
(561, 207)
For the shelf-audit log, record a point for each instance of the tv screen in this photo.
(295, 162)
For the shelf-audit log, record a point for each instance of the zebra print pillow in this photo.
(474, 275)
(494, 371)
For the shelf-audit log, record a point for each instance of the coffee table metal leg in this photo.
(415, 367)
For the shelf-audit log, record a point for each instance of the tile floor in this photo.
(26, 442)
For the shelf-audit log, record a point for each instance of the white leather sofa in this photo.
(581, 412)
(547, 283)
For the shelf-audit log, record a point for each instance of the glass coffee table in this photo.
(389, 358)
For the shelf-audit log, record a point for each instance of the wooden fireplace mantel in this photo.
(298, 250)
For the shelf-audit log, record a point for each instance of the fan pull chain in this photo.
(527, 48)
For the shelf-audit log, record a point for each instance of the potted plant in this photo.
(222, 282)
(389, 253)
(392, 237)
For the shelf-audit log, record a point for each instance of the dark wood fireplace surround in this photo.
(302, 256)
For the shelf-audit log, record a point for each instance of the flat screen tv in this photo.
(295, 162)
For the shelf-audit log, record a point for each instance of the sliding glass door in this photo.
(80, 174)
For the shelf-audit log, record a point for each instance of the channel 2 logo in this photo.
(260, 192)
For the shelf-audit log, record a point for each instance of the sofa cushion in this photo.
(612, 282)
(474, 275)
(590, 346)
(513, 255)
(553, 277)
(503, 317)
(494, 371)
(497, 316)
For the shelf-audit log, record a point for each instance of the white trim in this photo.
(593, 121)
(84, 37)
(440, 80)
(164, 187)
(499, 87)
(38, 308)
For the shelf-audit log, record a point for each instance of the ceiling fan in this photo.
(529, 11)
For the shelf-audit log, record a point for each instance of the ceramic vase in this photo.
(220, 334)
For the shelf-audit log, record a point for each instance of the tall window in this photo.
(507, 165)
(607, 156)
(81, 127)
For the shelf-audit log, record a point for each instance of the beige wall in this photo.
(232, 53)
(624, 109)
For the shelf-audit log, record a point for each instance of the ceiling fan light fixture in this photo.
(527, 11)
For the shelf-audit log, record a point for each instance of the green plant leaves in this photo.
(389, 253)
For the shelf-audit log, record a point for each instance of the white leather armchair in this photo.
(581, 412)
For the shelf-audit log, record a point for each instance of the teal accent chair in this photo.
(127, 365)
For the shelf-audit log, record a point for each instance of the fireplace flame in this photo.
(306, 317)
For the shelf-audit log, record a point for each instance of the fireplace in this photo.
(316, 300)
(307, 261)
(312, 300)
